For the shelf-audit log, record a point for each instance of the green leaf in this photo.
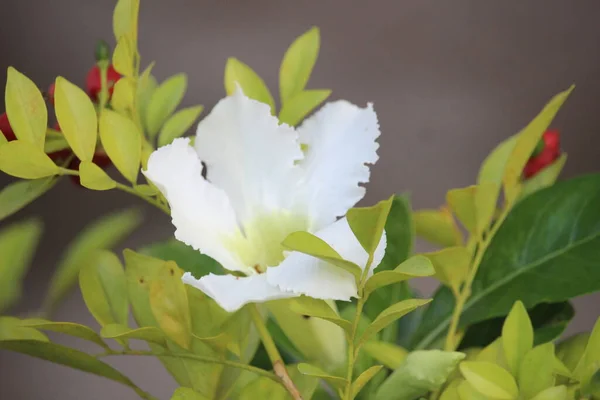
(54, 144)
(2, 138)
(93, 177)
(389, 315)
(238, 73)
(302, 104)
(298, 63)
(184, 393)
(451, 266)
(17, 247)
(587, 365)
(544, 178)
(437, 227)
(537, 370)
(415, 267)
(388, 354)
(124, 56)
(492, 169)
(148, 333)
(308, 306)
(490, 379)
(122, 141)
(451, 391)
(540, 237)
(125, 18)
(123, 95)
(185, 256)
(312, 370)
(467, 392)
(146, 190)
(67, 328)
(11, 328)
(77, 118)
(145, 89)
(517, 337)
(474, 206)
(364, 378)
(164, 101)
(526, 142)
(68, 357)
(553, 393)
(312, 245)
(24, 160)
(178, 124)
(104, 233)
(104, 288)
(264, 388)
(368, 223)
(570, 350)
(26, 109)
(419, 373)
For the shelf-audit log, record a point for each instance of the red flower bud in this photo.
(6, 128)
(550, 152)
(94, 84)
(551, 139)
(51, 90)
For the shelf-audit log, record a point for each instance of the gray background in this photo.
(449, 80)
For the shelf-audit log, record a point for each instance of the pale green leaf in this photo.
(123, 95)
(145, 89)
(486, 202)
(544, 178)
(178, 124)
(93, 177)
(125, 18)
(264, 388)
(364, 378)
(163, 102)
(302, 104)
(570, 350)
(553, 393)
(517, 337)
(415, 267)
(298, 63)
(319, 309)
(24, 160)
(451, 265)
(55, 144)
(312, 370)
(147, 333)
(26, 108)
(11, 328)
(389, 354)
(437, 227)
(67, 328)
(368, 223)
(467, 392)
(451, 391)
(490, 379)
(146, 190)
(17, 195)
(184, 393)
(2, 138)
(122, 141)
(536, 372)
(239, 74)
(124, 57)
(462, 203)
(590, 357)
(77, 118)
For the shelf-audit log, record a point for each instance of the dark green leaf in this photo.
(186, 257)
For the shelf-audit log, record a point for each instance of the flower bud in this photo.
(94, 82)
(102, 52)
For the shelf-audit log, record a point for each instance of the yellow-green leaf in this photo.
(437, 227)
(298, 63)
(544, 178)
(164, 101)
(490, 379)
(125, 19)
(517, 337)
(11, 328)
(553, 393)
(389, 354)
(536, 372)
(302, 104)
(145, 89)
(415, 267)
(238, 73)
(185, 393)
(451, 265)
(25, 160)
(319, 309)
(570, 350)
(123, 332)
(77, 118)
(26, 108)
(54, 144)
(123, 95)
(178, 124)
(368, 223)
(312, 370)
(526, 142)
(462, 203)
(485, 203)
(467, 392)
(124, 57)
(93, 177)
(122, 141)
(146, 190)
(2, 138)
(67, 328)
(590, 357)
(17, 195)
(364, 378)
(451, 391)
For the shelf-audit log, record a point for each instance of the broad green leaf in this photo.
(24, 160)
(16, 195)
(526, 142)
(544, 178)
(17, 247)
(462, 203)
(184, 393)
(467, 392)
(146, 190)
(415, 267)
(310, 244)
(587, 365)
(2, 138)
(66, 356)
(148, 333)
(125, 18)
(364, 378)
(264, 388)
(540, 237)
(163, 102)
(124, 56)
(239, 74)
(122, 141)
(389, 315)
(67, 328)
(388, 354)
(123, 95)
(437, 227)
(493, 353)
(26, 109)
(571, 350)
(517, 337)
(104, 288)
(103, 233)
(11, 328)
(93, 177)
(536, 372)
(145, 89)
(185, 256)
(451, 265)
(302, 104)
(451, 391)
(310, 307)
(492, 168)
(312, 370)
(490, 379)
(419, 373)
(298, 63)
(560, 368)
(178, 124)
(368, 223)
(553, 393)
(77, 118)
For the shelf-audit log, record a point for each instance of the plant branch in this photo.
(150, 200)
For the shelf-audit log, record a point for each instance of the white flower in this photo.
(260, 187)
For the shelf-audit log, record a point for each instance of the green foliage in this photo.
(120, 332)
(451, 266)
(368, 223)
(24, 160)
(490, 379)
(188, 259)
(238, 73)
(312, 370)
(163, 102)
(93, 177)
(414, 267)
(310, 307)
(178, 124)
(298, 63)
(11, 328)
(386, 353)
(437, 227)
(122, 141)
(517, 337)
(67, 328)
(263, 388)
(303, 103)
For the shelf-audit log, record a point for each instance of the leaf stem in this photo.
(148, 199)
(352, 350)
(273, 353)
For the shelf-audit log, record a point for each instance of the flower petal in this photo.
(249, 155)
(304, 274)
(340, 139)
(232, 292)
(201, 212)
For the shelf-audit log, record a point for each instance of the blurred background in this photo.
(449, 80)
